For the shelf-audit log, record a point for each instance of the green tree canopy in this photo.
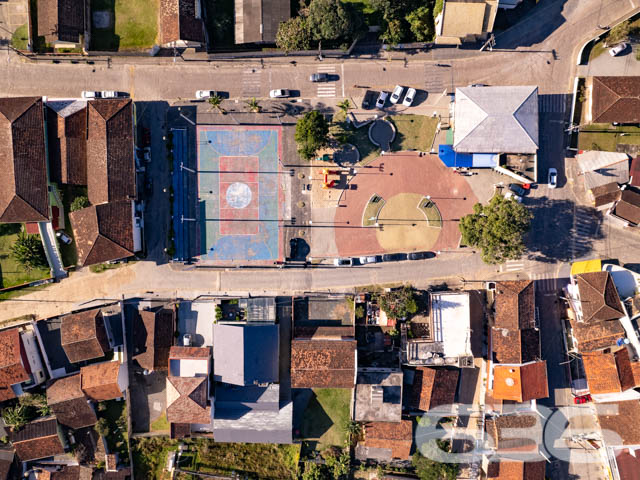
(333, 19)
(29, 252)
(311, 134)
(400, 303)
(79, 203)
(421, 24)
(394, 33)
(293, 34)
(428, 469)
(15, 417)
(497, 228)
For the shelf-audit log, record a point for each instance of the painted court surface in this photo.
(239, 193)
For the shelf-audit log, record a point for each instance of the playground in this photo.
(240, 194)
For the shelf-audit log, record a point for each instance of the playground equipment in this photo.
(326, 183)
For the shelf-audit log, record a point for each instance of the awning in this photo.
(586, 266)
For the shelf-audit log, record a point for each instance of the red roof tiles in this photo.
(516, 470)
(61, 20)
(154, 333)
(37, 439)
(619, 422)
(599, 297)
(515, 305)
(520, 383)
(83, 336)
(12, 370)
(397, 436)
(178, 22)
(187, 400)
(615, 99)
(433, 387)
(323, 363)
(100, 381)
(69, 403)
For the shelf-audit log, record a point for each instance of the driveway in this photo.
(604, 64)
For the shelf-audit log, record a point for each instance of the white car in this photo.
(342, 262)
(382, 98)
(365, 260)
(109, 94)
(409, 97)
(396, 94)
(517, 198)
(201, 94)
(553, 178)
(621, 47)
(280, 93)
(89, 94)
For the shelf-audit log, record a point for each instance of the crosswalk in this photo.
(434, 78)
(585, 225)
(512, 266)
(326, 89)
(251, 82)
(552, 103)
(545, 282)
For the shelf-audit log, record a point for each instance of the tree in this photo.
(293, 34)
(399, 303)
(29, 252)
(101, 427)
(353, 430)
(344, 106)
(15, 417)
(311, 134)
(216, 102)
(79, 203)
(253, 105)
(37, 401)
(497, 228)
(332, 19)
(618, 33)
(338, 465)
(394, 33)
(428, 469)
(421, 24)
(312, 471)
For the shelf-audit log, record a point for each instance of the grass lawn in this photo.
(20, 37)
(116, 415)
(360, 138)
(325, 415)
(414, 132)
(160, 424)
(11, 272)
(135, 26)
(606, 137)
(69, 252)
(150, 456)
(371, 211)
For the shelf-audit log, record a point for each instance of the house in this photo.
(378, 396)
(627, 461)
(40, 438)
(619, 423)
(433, 388)
(69, 403)
(83, 336)
(503, 432)
(514, 305)
(105, 381)
(601, 168)
(67, 141)
(520, 383)
(257, 21)
(611, 375)
(386, 441)
(153, 335)
(323, 363)
(627, 208)
(61, 22)
(612, 100)
(8, 464)
(181, 23)
(516, 470)
(245, 354)
(604, 196)
(447, 340)
(598, 298)
(66, 472)
(21, 366)
(24, 196)
(464, 21)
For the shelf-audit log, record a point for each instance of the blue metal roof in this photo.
(452, 159)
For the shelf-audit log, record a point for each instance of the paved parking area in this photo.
(13, 14)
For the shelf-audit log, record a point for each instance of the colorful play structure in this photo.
(326, 183)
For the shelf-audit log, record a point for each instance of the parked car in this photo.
(478, 85)
(396, 94)
(580, 399)
(293, 248)
(382, 98)
(517, 198)
(201, 94)
(420, 255)
(517, 189)
(110, 94)
(394, 257)
(342, 262)
(553, 178)
(319, 77)
(63, 237)
(370, 259)
(409, 97)
(618, 49)
(91, 94)
(280, 93)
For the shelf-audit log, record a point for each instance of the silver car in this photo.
(280, 93)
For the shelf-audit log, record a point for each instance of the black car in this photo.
(394, 257)
(319, 77)
(517, 189)
(293, 243)
(420, 255)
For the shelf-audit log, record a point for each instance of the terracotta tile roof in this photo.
(503, 431)
(61, 20)
(187, 400)
(520, 383)
(11, 369)
(323, 363)
(110, 157)
(178, 21)
(433, 387)
(609, 372)
(83, 336)
(516, 470)
(515, 305)
(24, 195)
(615, 99)
(178, 352)
(103, 232)
(67, 146)
(598, 297)
(37, 439)
(619, 422)
(515, 346)
(597, 334)
(153, 333)
(605, 194)
(628, 464)
(69, 403)
(628, 207)
(397, 436)
(325, 333)
(5, 464)
(100, 381)
(180, 430)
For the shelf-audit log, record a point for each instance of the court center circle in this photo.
(238, 195)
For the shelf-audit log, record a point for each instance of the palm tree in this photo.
(216, 102)
(353, 430)
(345, 105)
(253, 105)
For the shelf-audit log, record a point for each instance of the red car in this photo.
(579, 400)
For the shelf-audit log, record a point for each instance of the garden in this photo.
(20, 265)
(325, 417)
(119, 25)
(112, 424)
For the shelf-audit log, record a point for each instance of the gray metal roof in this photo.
(385, 407)
(496, 120)
(253, 426)
(250, 397)
(245, 354)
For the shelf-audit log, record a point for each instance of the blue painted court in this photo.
(239, 193)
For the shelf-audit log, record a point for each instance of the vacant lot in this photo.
(116, 415)
(414, 132)
(326, 413)
(11, 272)
(131, 24)
(605, 137)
